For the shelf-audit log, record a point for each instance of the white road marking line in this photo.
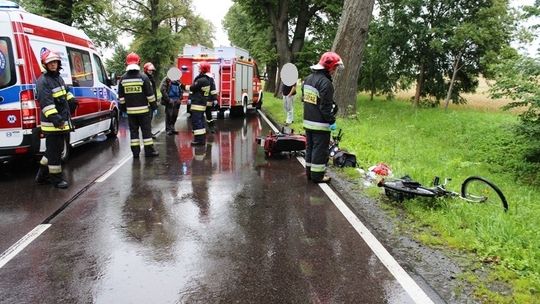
(409, 285)
(12, 251)
(113, 169)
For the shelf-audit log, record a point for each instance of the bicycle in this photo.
(474, 189)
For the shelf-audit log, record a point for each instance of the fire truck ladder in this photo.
(225, 92)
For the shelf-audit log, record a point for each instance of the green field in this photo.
(456, 143)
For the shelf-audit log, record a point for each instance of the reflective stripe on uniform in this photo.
(308, 164)
(122, 100)
(132, 82)
(58, 92)
(49, 127)
(137, 110)
(209, 103)
(55, 169)
(135, 142)
(314, 125)
(69, 96)
(44, 161)
(50, 112)
(318, 168)
(198, 108)
(199, 132)
(148, 141)
(214, 92)
(151, 98)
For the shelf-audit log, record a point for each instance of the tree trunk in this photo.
(419, 85)
(452, 81)
(271, 71)
(349, 43)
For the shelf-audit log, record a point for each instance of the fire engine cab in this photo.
(22, 37)
(235, 74)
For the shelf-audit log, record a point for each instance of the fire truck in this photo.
(235, 74)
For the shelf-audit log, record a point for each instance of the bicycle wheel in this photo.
(479, 190)
(397, 186)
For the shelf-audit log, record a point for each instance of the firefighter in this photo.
(149, 71)
(319, 115)
(56, 104)
(201, 92)
(137, 98)
(211, 104)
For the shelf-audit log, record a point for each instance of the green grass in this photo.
(456, 143)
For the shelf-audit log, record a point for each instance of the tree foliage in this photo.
(91, 16)
(442, 45)
(160, 28)
(290, 22)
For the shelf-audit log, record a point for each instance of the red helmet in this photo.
(204, 67)
(149, 67)
(132, 58)
(49, 56)
(329, 61)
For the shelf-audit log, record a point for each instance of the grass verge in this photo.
(456, 143)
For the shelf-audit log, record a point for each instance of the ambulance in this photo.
(22, 37)
(235, 73)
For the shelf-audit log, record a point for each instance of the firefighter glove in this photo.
(57, 121)
(333, 127)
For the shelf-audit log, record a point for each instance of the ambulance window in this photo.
(101, 74)
(7, 68)
(81, 68)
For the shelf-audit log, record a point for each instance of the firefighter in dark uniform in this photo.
(211, 104)
(319, 115)
(137, 98)
(201, 92)
(149, 71)
(56, 104)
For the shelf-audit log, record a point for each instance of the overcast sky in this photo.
(214, 11)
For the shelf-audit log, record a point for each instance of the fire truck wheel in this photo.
(245, 106)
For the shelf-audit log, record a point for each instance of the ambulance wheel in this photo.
(66, 152)
(113, 130)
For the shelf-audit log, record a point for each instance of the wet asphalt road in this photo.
(214, 224)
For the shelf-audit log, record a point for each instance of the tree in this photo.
(349, 44)
(445, 45)
(117, 64)
(289, 21)
(254, 35)
(159, 27)
(88, 15)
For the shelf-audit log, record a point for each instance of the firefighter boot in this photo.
(42, 176)
(58, 181)
(308, 172)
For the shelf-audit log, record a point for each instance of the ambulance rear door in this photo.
(11, 133)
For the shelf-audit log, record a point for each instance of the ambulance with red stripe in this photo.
(22, 37)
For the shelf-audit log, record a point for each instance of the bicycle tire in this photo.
(398, 186)
(475, 188)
